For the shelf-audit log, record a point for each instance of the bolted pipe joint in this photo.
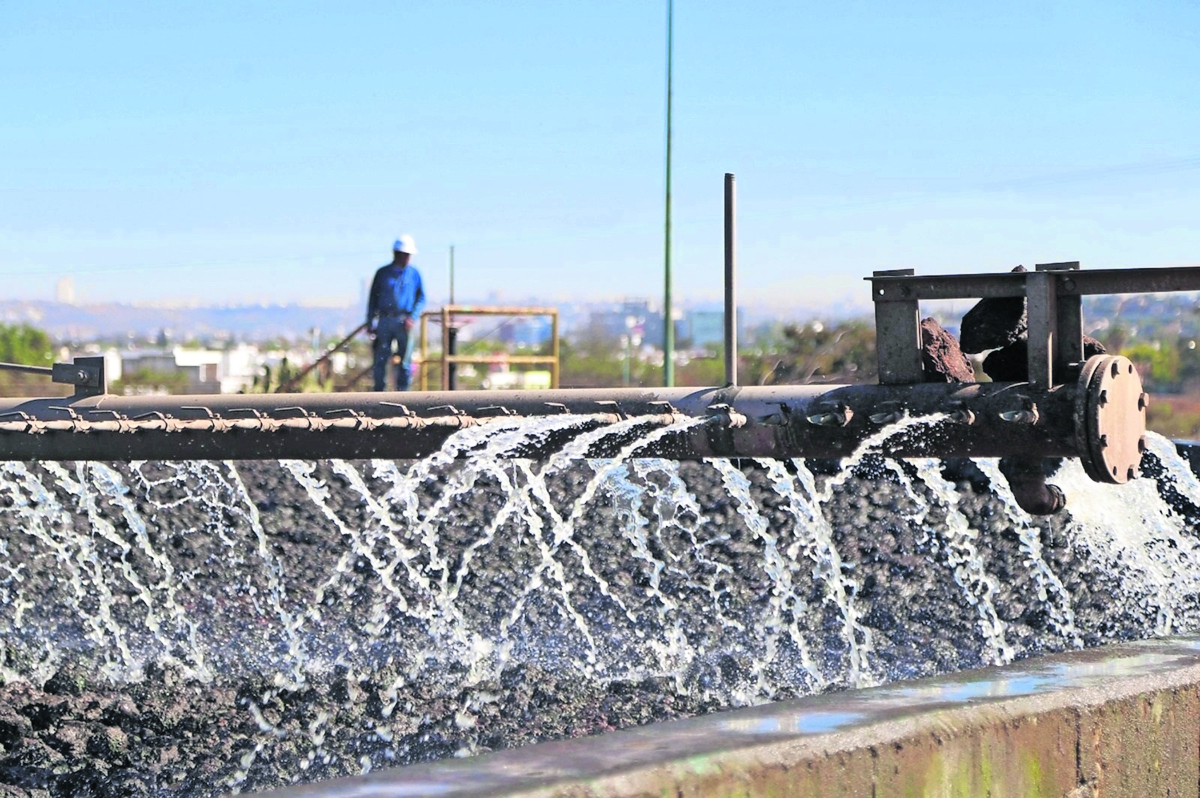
(1110, 419)
(1027, 478)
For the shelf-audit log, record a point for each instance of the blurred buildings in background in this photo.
(700, 327)
(193, 370)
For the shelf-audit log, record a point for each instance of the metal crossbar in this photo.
(1053, 293)
(903, 285)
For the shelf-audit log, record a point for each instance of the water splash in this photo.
(419, 606)
(969, 569)
(1140, 539)
(1051, 590)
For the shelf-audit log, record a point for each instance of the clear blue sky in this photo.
(230, 151)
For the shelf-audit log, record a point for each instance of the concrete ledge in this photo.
(1115, 721)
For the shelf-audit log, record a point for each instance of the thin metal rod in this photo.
(731, 343)
(668, 320)
(425, 351)
(502, 357)
(445, 348)
(43, 370)
(554, 366)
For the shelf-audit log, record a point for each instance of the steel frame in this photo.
(446, 316)
(1053, 292)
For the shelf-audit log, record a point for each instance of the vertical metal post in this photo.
(897, 332)
(1042, 300)
(668, 320)
(445, 348)
(554, 349)
(731, 351)
(1069, 346)
(451, 333)
(424, 351)
(452, 349)
(626, 354)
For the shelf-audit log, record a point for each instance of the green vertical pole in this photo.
(668, 320)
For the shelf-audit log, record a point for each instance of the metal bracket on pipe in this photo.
(496, 410)
(608, 404)
(1052, 293)
(404, 411)
(85, 373)
(725, 414)
(889, 413)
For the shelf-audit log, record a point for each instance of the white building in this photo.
(205, 370)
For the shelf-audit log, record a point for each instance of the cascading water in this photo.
(203, 627)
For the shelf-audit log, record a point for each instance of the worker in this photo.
(395, 304)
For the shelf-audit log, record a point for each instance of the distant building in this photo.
(205, 370)
(637, 317)
(706, 328)
(503, 379)
(532, 331)
(64, 290)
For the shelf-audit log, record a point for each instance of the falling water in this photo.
(339, 616)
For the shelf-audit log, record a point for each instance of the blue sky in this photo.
(228, 152)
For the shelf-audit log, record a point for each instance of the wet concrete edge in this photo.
(1054, 725)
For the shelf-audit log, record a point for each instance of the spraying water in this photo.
(340, 616)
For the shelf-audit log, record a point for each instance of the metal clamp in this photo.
(831, 415)
(496, 410)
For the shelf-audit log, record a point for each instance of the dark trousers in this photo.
(391, 329)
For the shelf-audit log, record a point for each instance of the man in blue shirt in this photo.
(396, 301)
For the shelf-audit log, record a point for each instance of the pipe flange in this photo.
(1110, 419)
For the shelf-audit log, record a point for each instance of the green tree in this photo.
(147, 381)
(594, 362)
(1158, 364)
(24, 344)
(28, 346)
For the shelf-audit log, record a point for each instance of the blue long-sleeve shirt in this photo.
(396, 291)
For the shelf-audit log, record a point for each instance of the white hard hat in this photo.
(405, 243)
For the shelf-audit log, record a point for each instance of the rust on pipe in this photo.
(1027, 478)
(978, 420)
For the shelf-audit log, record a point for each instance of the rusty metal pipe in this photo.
(982, 420)
(1027, 478)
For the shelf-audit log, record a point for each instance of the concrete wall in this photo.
(1121, 721)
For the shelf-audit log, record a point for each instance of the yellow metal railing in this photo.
(446, 316)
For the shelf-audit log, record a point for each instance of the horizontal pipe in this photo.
(979, 420)
(1090, 282)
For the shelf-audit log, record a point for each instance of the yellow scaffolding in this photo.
(446, 316)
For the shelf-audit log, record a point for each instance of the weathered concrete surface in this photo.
(1118, 721)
